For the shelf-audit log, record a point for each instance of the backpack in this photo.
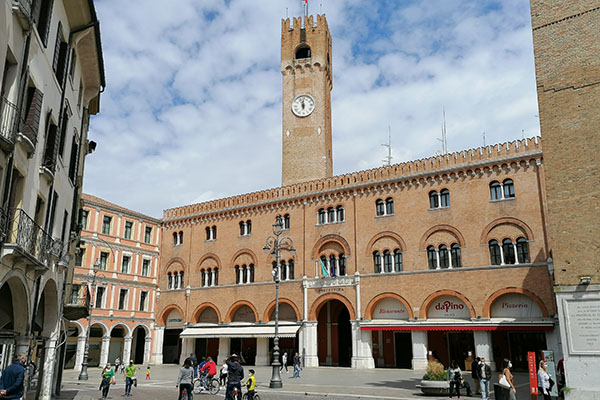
(457, 376)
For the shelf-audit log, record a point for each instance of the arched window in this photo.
(495, 190)
(509, 251)
(445, 198)
(282, 271)
(180, 237)
(342, 265)
(377, 261)
(251, 272)
(509, 188)
(322, 216)
(170, 278)
(181, 285)
(455, 254)
(324, 269)
(443, 254)
(202, 277)
(286, 221)
(175, 239)
(332, 265)
(341, 214)
(389, 206)
(397, 260)
(214, 232)
(216, 273)
(432, 257)
(242, 228)
(175, 280)
(237, 275)
(208, 232)
(291, 269)
(379, 207)
(248, 227)
(302, 52)
(331, 215)
(209, 277)
(434, 199)
(522, 250)
(244, 273)
(495, 252)
(387, 261)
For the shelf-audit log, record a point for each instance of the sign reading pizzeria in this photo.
(515, 305)
(448, 307)
(390, 309)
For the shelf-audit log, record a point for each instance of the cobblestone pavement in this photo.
(314, 383)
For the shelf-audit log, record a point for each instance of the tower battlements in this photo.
(295, 23)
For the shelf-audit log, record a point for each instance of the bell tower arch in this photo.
(307, 84)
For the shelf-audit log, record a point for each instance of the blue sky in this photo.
(192, 107)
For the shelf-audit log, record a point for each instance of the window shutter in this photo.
(63, 132)
(61, 72)
(74, 163)
(55, 61)
(34, 112)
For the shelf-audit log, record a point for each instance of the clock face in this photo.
(303, 105)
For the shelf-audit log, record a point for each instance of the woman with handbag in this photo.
(454, 379)
(108, 376)
(507, 380)
(544, 380)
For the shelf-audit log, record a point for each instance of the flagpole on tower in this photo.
(305, 11)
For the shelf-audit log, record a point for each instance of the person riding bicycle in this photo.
(209, 370)
(235, 374)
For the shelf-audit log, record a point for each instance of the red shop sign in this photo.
(533, 386)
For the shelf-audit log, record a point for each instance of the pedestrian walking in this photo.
(454, 379)
(12, 380)
(485, 376)
(297, 366)
(194, 363)
(223, 374)
(512, 392)
(284, 361)
(130, 375)
(148, 373)
(475, 375)
(544, 386)
(108, 376)
(185, 379)
(235, 374)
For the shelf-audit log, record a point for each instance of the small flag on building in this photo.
(323, 269)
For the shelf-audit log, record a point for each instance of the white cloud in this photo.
(192, 108)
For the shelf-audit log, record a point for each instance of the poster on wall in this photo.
(448, 307)
(515, 305)
(390, 309)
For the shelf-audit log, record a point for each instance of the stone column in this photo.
(419, 347)
(127, 349)
(309, 343)
(147, 349)
(46, 378)
(104, 350)
(380, 358)
(362, 351)
(223, 350)
(483, 347)
(157, 352)
(262, 352)
(80, 351)
(188, 345)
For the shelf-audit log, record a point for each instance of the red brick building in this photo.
(445, 256)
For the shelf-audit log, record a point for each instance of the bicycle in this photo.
(201, 384)
(256, 396)
(183, 394)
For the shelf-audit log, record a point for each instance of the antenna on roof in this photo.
(444, 138)
(522, 133)
(483, 139)
(387, 161)
(287, 14)
(321, 8)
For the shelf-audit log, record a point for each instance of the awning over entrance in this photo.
(240, 331)
(458, 325)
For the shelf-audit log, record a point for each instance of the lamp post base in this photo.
(276, 382)
(83, 375)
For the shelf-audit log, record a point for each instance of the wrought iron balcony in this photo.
(29, 240)
(9, 122)
(77, 305)
(23, 10)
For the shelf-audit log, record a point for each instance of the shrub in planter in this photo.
(435, 380)
(435, 372)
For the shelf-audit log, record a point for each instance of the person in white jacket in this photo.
(544, 380)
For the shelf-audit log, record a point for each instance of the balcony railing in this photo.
(9, 118)
(77, 305)
(31, 240)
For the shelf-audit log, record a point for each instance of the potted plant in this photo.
(435, 380)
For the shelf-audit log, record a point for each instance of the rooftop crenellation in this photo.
(289, 24)
(456, 160)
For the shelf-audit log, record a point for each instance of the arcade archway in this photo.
(334, 336)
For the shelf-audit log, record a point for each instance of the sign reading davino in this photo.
(390, 309)
(515, 305)
(448, 307)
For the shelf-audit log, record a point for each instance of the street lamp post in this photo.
(273, 246)
(83, 375)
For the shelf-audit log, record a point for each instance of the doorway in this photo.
(334, 338)
(403, 349)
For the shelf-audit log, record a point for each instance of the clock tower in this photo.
(307, 84)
